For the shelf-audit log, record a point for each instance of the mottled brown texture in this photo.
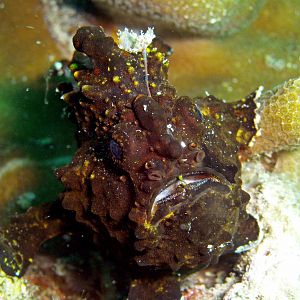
(20, 241)
(157, 174)
(161, 288)
(160, 172)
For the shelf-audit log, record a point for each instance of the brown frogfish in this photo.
(156, 173)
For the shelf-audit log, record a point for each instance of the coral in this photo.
(278, 119)
(206, 18)
(288, 163)
(17, 289)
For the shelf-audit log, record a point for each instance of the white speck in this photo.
(27, 89)
(207, 93)
(169, 126)
(158, 93)
(24, 78)
(183, 144)
(258, 92)
(29, 27)
(145, 107)
(210, 248)
(226, 244)
(58, 65)
(2, 5)
(38, 42)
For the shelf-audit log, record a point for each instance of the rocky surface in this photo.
(213, 18)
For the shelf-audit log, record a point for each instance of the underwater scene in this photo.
(150, 150)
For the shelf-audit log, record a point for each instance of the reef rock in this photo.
(201, 17)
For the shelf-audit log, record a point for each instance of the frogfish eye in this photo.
(115, 150)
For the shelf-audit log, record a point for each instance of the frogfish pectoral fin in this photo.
(21, 239)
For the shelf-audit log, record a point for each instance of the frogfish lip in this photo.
(184, 191)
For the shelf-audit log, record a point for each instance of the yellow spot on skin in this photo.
(128, 91)
(92, 176)
(180, 177)
(148, 226)
(131, 70)
(77, 171)
(188, 257)
(243, 136)
(168, 216)
(136, 83)
(160, 289)
(85, 88)
(205, 111)
(116, 79)
(76, 75)
(108, 69)
(106, 112)
(153, 84)
(159, 56)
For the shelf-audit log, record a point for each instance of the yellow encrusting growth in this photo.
(150, 227)
(278, 119)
